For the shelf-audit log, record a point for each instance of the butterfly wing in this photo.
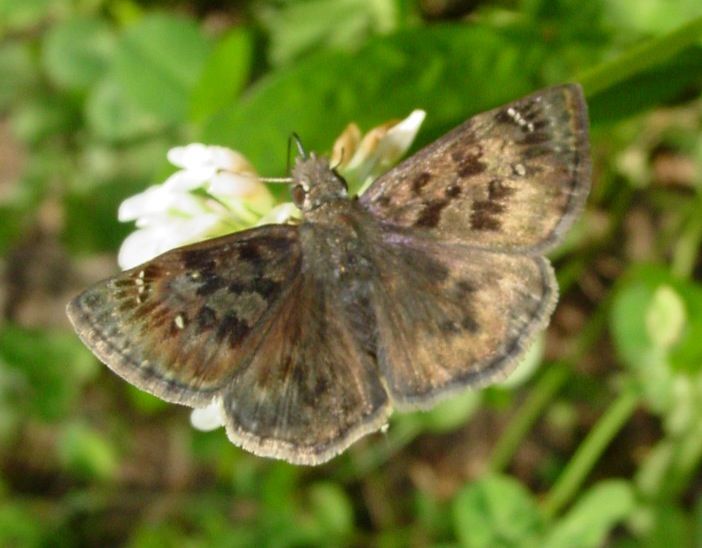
(311, 389)
(513, 178)
(449, 316)
(236, 320)
(181, 325)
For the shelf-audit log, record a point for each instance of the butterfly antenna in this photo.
(286, 180)
(341, 159)
(300, 148)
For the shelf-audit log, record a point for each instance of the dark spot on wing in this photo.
(273, 244)
(468, 163)
(432, 268)
(503, 118)
(420, 181)
(237, 287)
(534, 138)
(468, 323)
(321, 385)
(453, 191)
(465, 286)
(431, 214)
(151, 272)
(449, 327)
(249, 251)
(536, 151)
(210, 283)
(197, 259)
(485, 215)
(232, 329)
(498, 190)
(206, 318)
(266, 287)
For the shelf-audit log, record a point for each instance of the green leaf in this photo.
(496, 511)
(671, 527)
(112, 115)
(224, 75)
(332, 511)
(654, 17)
(50, 369)
(665, 317)
(296, 27)
(19, 526)
(451, 413)
(87, 452)
(593, 516)
(158, 62)
(646, 89)
(18, 73)
(631, 320)
(76, 52)
(389, 77)
(42, 116)
(21, 14)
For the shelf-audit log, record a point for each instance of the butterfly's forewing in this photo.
(513, 178)
(451, 316)
(311, 389)
(181, 325)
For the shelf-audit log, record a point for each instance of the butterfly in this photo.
(308, 335)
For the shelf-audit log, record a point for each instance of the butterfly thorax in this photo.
(334, 250)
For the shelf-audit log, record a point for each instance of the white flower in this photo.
(362, 160)
(216, 191)
(208, 418)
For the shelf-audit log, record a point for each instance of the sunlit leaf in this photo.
(158, 62)
(496, 511)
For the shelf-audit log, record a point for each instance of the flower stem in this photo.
(590, 450)
(546, 388)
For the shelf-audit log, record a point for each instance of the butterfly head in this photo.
(316, 183)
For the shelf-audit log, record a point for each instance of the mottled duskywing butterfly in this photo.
(431, 281)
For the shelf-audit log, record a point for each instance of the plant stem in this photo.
(590, 450)
(640, 58)
(686, 248)
(547, 387)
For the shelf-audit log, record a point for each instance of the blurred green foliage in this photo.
(599, 444)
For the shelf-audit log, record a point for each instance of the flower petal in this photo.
(207, 418)
(184, 180)
(345, 145)
(153, 200)
(198, 155)
(149, 242)
(380, 148)
(190, 156)
(281, 214)
(233, 185)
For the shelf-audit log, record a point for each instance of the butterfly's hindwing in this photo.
(180, 325)
(511, 179)
(451, 316)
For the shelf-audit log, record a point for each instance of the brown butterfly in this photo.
(431, 281)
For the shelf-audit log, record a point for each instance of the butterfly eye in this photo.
(298, 194)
